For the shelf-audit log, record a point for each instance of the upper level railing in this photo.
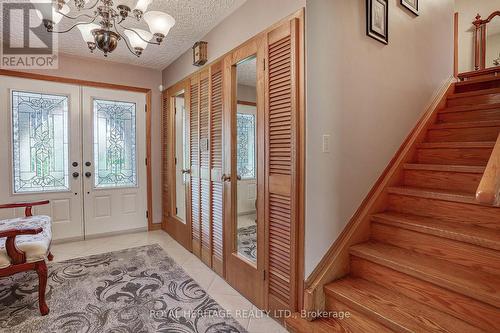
(488, 192)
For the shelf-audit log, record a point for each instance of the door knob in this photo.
(88, 164)
(226, 178)
(238, 177)
(88, 174)
(184, 171)
(75, 164)
(75, 174)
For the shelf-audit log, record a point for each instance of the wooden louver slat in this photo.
(280, 200)
(164, 127)
(217, 212)
(195, 163)
(206, 243)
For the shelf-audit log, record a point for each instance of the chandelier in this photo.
(101, 24)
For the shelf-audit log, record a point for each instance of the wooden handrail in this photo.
(488, 192)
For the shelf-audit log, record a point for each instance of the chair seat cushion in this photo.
(36, 247)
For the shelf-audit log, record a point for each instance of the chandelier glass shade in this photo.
(103, 25)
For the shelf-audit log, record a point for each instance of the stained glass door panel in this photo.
(114, 144)
(39, 142)
(40, 150)
(114, 156)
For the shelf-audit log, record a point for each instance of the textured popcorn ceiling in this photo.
(194, 18)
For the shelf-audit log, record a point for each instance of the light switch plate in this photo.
(326, 143)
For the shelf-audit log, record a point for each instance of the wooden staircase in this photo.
(432, 263)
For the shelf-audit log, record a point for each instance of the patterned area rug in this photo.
(247, 242)
(139, 290)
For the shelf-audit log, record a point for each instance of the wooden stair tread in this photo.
(465, 108)
(475, 93)
(354, 324)
(475, 284)
(296, 324)
(434, 194)
(455, 145)
(471, 234)
(392, 309)
(445, 168)
(466, 124)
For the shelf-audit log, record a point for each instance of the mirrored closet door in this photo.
(244, 172)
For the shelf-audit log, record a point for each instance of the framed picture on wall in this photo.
(377, 20)
(411, 5)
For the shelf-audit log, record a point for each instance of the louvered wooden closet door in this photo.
(194, 129)
(217, 212)
(164, 153)
(206, 234)
(281, 196)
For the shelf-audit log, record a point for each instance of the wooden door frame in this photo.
(97, 84)
(173, 225)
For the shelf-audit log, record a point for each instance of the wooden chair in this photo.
(30, 249)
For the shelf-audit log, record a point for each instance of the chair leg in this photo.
(41, 270)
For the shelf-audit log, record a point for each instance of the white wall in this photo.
(248, 20)
(368, 97)
(467, 11)
(492, 48)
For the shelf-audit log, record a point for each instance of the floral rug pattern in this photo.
(247, 242)
(137, 290)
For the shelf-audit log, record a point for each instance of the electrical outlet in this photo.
(326, 143)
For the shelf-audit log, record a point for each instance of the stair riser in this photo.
(478, 115)
(474, 312)
(463, 182)
(475, 86)
(468, 214)
(455, 156)
(367, 325)
(457, 252)
(472, 134)
(472, 100)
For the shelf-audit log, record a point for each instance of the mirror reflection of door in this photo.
(181, 167)
(493, 43)
(244, 262)
(246, 153)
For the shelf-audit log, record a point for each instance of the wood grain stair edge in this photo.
(456, 278)
(445, 168)
(393, 310)
(475, 235)
(434, 194)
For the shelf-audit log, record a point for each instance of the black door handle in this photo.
(88, 164)
(75, 174)
(88, 174)
(75, 164)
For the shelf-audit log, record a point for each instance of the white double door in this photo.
(82, 148)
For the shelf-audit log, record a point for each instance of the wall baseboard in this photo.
(106, 234)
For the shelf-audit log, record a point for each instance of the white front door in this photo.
(40, 151)
(114, 160)
(84, 149)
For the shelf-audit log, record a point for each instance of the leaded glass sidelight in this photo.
(39, 142)
(246, 145)
(114, 144)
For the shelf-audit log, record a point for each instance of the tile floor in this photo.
(216, 287)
